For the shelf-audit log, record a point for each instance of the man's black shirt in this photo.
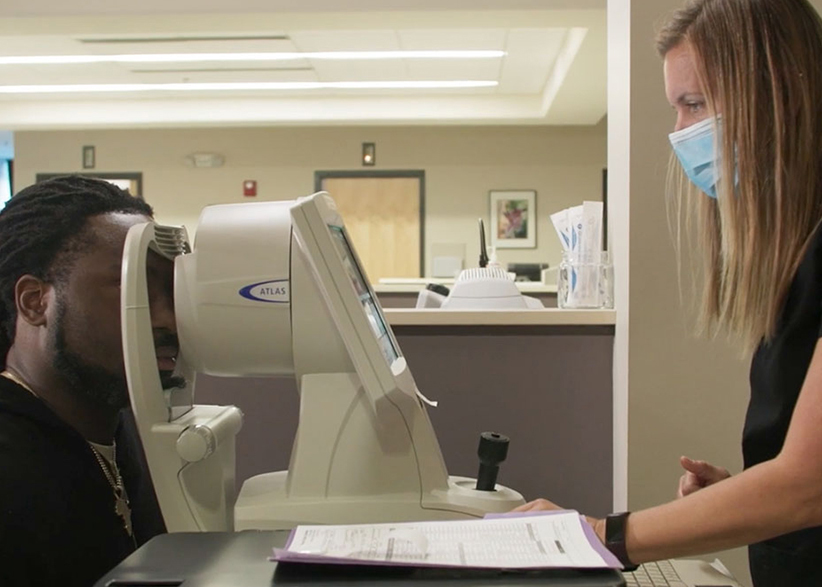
(58, 524)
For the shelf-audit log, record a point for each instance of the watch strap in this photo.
(615, 538)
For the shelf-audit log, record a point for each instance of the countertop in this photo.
(546, 316)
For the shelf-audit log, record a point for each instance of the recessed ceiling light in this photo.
(193, 57)
(243, 86)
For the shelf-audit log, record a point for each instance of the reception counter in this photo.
(547, 317)
(541, 377)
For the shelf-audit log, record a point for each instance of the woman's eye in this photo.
(694, 107)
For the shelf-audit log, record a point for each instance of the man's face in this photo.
(86, 342)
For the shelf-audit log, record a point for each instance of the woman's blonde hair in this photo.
(760, 66)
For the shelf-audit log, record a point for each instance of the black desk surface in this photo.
(240, 559)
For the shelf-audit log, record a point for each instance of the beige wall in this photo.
(461, 164)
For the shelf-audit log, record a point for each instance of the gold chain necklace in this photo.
(111, 472)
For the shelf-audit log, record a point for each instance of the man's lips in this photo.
(166, 358)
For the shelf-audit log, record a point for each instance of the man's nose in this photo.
(161, 308)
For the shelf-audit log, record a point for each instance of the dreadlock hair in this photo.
(41, 234)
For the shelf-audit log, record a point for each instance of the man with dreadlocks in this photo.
(74, 497)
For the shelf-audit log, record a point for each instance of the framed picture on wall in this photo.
(513, 219)
(129, 181)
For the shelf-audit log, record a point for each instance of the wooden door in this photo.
(382, 216)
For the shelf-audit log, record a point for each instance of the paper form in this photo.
(521, 542)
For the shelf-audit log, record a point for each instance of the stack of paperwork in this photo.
(541, 540)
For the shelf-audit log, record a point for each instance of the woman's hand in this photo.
(698, 474)
(544, 505)
(537, 505)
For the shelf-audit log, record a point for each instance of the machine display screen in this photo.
(372, 310)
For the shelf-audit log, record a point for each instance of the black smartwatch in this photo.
(615, 539)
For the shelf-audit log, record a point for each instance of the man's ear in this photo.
(32, 296)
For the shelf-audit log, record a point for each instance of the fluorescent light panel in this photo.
(243, 86)
(198, 57)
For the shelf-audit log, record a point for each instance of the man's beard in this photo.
(90, 382)
(93, 383)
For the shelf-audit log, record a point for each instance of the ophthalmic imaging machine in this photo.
(276, 289)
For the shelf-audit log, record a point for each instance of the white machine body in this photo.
(276, 289)
(480, 289)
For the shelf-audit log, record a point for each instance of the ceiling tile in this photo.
(225, 76)
(454, 69)
(369, 40)
(338, 71)
(295, 65)
(452, 39)
(531, 56)
(114, 45)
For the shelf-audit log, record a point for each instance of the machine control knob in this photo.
(196, 443)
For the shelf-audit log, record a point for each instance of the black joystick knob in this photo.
(493, 448)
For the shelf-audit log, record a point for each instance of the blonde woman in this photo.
(745, 80)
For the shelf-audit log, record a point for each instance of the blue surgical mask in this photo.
(694, 147)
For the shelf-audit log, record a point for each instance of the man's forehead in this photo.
(116, 220)
(99, 244)
(111, 228)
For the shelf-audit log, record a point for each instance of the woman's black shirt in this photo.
(778, 371)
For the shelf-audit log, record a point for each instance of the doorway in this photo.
(384, 213)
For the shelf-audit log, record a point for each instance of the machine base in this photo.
(264, 505)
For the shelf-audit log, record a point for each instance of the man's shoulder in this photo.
(18, 404)
(33, 449)
(27, 419)
(46, 480)
(22, 437)
(27, 460)
(55, 502)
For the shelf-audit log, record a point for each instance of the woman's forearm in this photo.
(765, 501)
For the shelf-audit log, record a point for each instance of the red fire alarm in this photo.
(249, 188)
